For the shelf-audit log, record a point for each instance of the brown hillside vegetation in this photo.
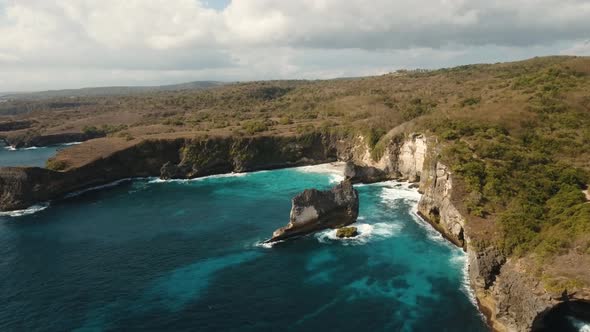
(517, 136)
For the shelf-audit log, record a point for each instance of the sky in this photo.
(56, 44)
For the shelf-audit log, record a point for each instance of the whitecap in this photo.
(459, 259)
(393, 192)
(71, 143)
(31, 148)
(266, 245)
(25, 212)
(216, 176)
(367, 233)
(103, 186)
(579, 325)
(10, 148)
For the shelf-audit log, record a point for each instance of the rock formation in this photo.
(314, 210)
(346, 232)
(363, 174)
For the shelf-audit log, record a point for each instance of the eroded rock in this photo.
(314, 210)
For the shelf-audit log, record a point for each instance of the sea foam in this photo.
(367, 233)
(25, 212)
(334, 170)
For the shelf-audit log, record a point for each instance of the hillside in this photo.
(516, 137)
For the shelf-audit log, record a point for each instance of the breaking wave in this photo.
(25, 212)
(334, 170)
(367, 233)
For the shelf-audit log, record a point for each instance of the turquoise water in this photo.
(35, 156)
(186, 256)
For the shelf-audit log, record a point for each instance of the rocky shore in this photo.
(511, 297)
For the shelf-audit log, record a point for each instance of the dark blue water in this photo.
(185, 256)
(35, 156)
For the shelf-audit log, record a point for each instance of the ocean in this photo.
(156, 255)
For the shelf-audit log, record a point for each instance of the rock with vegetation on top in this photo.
(346, 232)
(314, 210)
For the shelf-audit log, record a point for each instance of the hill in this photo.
(107, 91)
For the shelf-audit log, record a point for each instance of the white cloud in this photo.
(580, 48)
(251, 39)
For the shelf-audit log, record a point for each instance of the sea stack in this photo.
(314, 210)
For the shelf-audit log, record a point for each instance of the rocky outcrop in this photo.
(347, 232)
(29, 140)
(363, 174)
(315, 210)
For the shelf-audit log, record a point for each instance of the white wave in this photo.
(25, 212)
(10, 148)
(31, 148)
(334, 170)
(108, 185)
(216, 176)
(394, 191)
(579, 325)
(71, 143)
(266, 245)
(367, 233)
(460, 259)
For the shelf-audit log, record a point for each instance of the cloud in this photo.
(256, 39)
(580, 48)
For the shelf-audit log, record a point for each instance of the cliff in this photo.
(169, 158)
(30, 139)
(509, 295)
(512, 298)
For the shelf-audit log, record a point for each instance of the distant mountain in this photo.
(109, 90)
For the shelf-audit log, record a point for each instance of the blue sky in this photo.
(217, 4)
(79, 43)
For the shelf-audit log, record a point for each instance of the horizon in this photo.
(88, 44)
(7, 93)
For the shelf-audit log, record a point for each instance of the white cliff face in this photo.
(436, 202)
(411, 157)
(308, 213)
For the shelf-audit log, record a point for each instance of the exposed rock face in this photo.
(315, 210)
(363, 174)
(436, 203)
(403, 157)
